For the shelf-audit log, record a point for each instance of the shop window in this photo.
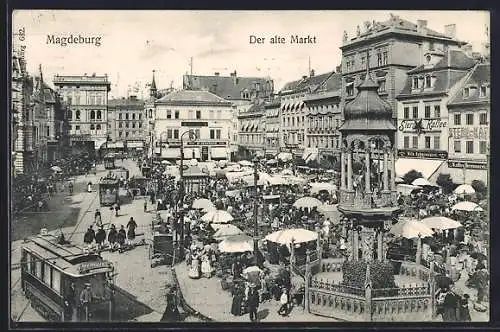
(437, 143)
(406, 142)
(427, 142)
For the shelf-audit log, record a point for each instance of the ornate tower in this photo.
(367, 188)
(152, 87)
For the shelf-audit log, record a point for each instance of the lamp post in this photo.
(192, 136)
(255, 207)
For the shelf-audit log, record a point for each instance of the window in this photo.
(48, 131)
(406, 143)
(385, 58)
(46, 274)
(466, 93)
(427, 81)
(169, 133)
(133, 124)
(457, 146)
(56, 281)
(119, 124)
(406, 114)
(126, 124)
(99, 115)
(98, 100)
(457, 119)
(350, 90)
(126, 134)
(198, 115)
(169, 114)
(38, 268)
(483, 118)
(77, 127)
(427, 142)
(77, 99)
(212, 134)
(140, 116)
(211, 114)
(482, 91)
(92, 115)
(437, 111)
(415, 112)
(119, 116)
(379, 59)
(98, 127)
(92, 127)
(469, 119)
(126, 116)
(381, 86)
(363, 62)
(176, 133)
(78, 115)
(437, 143)
(69, 100)
(70, 115)
(140, 124)
(120, 133)
(217, 133)
(415, 142)
(176, 114)
(190, 114)
(133, 116)
(427, 111)
(219, 114)
(197, 133)
(469, 147)
(415, 82)
(482, 147)
(150, 114)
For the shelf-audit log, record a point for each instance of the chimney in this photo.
(338, 69)
(311, 74)
(235, 78)
(233, 74)
(216, 73)
(450, 30)
(421, 26)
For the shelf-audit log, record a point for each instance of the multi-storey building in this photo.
(469, 129)
(252, 128)
(423, 113)
(128, 123)
(323, 120)
(295, 111)
(272, 135)
(207, 115)
(389, 49)
(87, 100)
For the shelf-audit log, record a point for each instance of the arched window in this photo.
(119, 116)
(133, 116)
(427, 81)
(150, 114)
(70, 114)
(99, 115)
(98, 127)
(92, 127)
(92, 115)
(77, 115)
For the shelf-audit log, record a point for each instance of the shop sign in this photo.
(467, 165)
(194, 124)
(422, 125)
(482, 133)
(85, 137)
(428, 154)
(206, 143)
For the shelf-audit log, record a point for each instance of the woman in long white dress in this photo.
(194, 272)
(206, 268)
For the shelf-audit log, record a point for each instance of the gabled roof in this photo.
(126, 102)
(401, 24)
(328, 80)
(454, 59)
(227, 87)
(445, 79)
(478, 76)
(192, 96)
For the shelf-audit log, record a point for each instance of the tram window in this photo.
(46, 273)
(31, 262)
(56, 281)
(38, 268)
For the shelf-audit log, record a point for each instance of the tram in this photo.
(64, 283)
(108, 191)
(109, 161)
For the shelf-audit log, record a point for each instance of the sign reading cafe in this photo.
(422, 125)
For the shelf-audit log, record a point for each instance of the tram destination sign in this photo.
(86, 267)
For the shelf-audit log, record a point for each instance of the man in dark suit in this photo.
(253, 302)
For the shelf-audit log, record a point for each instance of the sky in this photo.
(134, 43)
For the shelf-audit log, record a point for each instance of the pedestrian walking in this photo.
(89, 187)
(121, 237)
(70, 187)
(145, 205)
(112, 237)
(481, 278)
(283, 310)
(464, 312)
(100, 237)
(117, 209)
(86, 299)
(131, 226)
(253, 302)
(89, 236)
(171, 313)
(97, 218)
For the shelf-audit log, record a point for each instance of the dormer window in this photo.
(415, 82)
(482, 91)
(466, 92)
(428, 58)
(427, 81)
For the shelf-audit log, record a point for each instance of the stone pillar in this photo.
(380, 246)
(368, 172)
(307, 281)
(419, 251)
(386, 171)
(349, 170)
(393, 169)
(355, 244)
(368, 295)
(342, 169)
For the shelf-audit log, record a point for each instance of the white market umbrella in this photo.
(252, 269)
(284, 156)
(208, 209)
(237, 243)
(202, 203)
(56, 169)
(399, 180)
(411, 229)
(166, 162)
(467, 206)
(464, 189)
(227, 230)
(441, 223)
(307, 202)
(287, 172)
(422, 182)
(217, 217)
(296, 235)
(316, 187)
(276, 181)
(245, 163)
(272, 162)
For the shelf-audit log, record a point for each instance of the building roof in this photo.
(453, 59)
(126, 103)
(478, 76)
(325, 81)
(192, 97)
(82, 80)
(227, 87)
(445, 80)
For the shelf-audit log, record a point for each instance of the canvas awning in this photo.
(190, 153)
(135, 144)
(157, 150)
(219, 153)
(170, 153)
(428, 167)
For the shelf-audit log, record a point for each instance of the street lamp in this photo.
(192, 137)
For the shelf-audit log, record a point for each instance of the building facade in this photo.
(389, 49)
(87, 100)
(207, 115)
(422, 122)
(128, 122)
(252, 128)
(469, 130)
(272, 133)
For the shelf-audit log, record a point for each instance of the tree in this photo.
(445, 181)
(480, 188)
(412, 176)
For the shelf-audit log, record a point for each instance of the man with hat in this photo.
(253, 302)
(86, 299)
